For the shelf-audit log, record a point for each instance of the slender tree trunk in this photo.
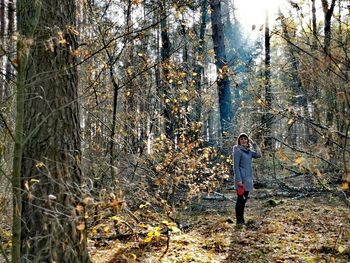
(328, 13)
(223, 81)
(53, 228)
(2, 53)
(267, 119)
(10, 47)
(314, 25)
(166, 94)
(299, 91)
(198, 66)
(130, 91)
(330, 91)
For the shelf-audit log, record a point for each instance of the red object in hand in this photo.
(240, 190)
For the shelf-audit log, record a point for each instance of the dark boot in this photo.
(240, 205)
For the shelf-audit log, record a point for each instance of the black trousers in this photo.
(240, 204)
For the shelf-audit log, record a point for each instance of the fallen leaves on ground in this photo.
(295, 230)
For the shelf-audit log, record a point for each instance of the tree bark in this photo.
(267, 119)
(2, 53)
(314, 26)
(223, 81)
(199, 66)
(53, 228)
(10, 46)
(328, 12)
(330, 91)
(167, 97)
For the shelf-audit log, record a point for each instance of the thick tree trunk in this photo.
(53, 228)
(223, 81)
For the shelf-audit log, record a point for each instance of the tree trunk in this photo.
(130, 91)
(53, 228)
(328, 12)
(299, 91)
(267, 119)
(313, 135)
(2, 53)
(330, 91)
(223, 81)
(10, 46)
(199, 65)
(167, 96)
(314, 26)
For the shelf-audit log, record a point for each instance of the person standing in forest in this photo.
(243, 153)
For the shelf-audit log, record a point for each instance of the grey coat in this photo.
(242, 165)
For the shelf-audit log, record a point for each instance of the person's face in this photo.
(243, 140)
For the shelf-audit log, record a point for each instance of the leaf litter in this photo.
(312, 229)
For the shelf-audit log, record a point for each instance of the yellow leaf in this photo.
(166, 222)
(106, 229)
(282, 155)
(318, 173)
(87, 200)
(211, 52)
(299, 160)
(87, 53)
(147, 239)
(115, 218)
(341, 249)
(143, 205)
(34, 181)
(157, 231)
(75, 52)
(73, 31)
(81, 226)
(312, 259)
(39, 164)
(174, 229)
(79, 208)
(62, 41)
(344, 186)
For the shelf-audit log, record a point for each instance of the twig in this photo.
(7, 126)
(2, 250)
(339, 236)
(167, 244)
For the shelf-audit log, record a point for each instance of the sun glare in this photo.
(251, 13)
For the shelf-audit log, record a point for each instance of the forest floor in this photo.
(279, 229)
